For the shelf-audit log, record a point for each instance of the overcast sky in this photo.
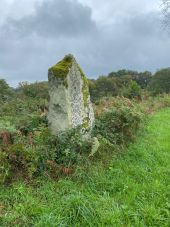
(103, 35)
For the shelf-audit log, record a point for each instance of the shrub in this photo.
(70, 147)
(7, 126)
(26, 162)
(118, 125)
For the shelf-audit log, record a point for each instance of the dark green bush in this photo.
(131, 90)
(118, 125)
(70, 146)
(20, 161)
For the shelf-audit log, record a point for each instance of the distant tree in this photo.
(122, 72)
(34, 90)
(132, 90)
(141, 78)
(160, 82)
(104, 87)
(92, 88)
(5, 90)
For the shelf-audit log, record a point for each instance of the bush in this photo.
(15, 161)
(71, 147)
(22, 161)
(7, 126)
(118, 125)
(68, 145)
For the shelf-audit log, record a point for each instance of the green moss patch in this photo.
(85, 124)
(61, 69)
(85, 88)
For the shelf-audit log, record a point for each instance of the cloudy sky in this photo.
(103, 35)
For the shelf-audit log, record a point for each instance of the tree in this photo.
(160, 82)
(104, 87)
(5, 90)
(122, 72)
(166, 11)
(132, 90)
(141, 78)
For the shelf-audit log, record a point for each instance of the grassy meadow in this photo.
(132, 188)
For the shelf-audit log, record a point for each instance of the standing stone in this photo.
(70, 104)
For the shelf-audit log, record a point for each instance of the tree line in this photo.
(125, 83)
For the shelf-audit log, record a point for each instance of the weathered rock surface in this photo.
(70, 104)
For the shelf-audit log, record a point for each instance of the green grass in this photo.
(133, 190)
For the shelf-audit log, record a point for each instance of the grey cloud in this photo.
(30, 45)
(145, 25)
(53, 18)
(137, 42)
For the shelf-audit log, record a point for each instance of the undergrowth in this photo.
(131, 190)
(34, 152)
(28, 150)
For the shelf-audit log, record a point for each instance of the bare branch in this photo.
(166, 12)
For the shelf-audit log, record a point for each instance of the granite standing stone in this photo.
(70, 104)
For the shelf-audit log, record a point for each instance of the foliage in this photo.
(7, 126)
(95, 146)
(146, 105)
(34, 90)
(131, 190)
(40, 153)
(104, 87)
(118, 125)
(15, 160)
(141, 78)
(132, 90)
(122, 72)
(116, 83)
(5, 91)
(25, 160)
(106, 187)
(71, 146)
(160, 82)
(23, 111)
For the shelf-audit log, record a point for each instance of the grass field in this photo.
(133, 190)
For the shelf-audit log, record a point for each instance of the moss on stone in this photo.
(85, 124)
(61, 69)
(65, 83)
(85, 89)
